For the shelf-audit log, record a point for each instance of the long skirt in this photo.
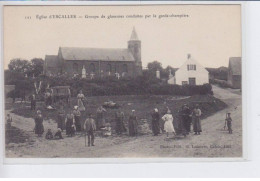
(81, 105)
(155, 127)
(100, 120)
(39, 129)
(196, 124)
(77, 123)
(61, 122)
(132, 128)
(69, 128)
(120, 127)
(168, 127)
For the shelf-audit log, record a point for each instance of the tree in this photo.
(154, 66)
(20, 66)
(37, 66)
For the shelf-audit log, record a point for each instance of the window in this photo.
(125, 68)
(92, 67)
(191, 67)
(75, 67)
(109, 68)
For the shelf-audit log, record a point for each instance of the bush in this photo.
(221, 83)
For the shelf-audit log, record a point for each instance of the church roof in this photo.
(103, 54)
(134, 35)
(235, 65)
(51, 60)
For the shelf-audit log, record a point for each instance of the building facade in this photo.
(234, 72)
(97, 62)
(191, 72)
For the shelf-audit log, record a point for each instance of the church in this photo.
(96, 62)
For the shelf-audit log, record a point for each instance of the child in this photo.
(168, 123)
(49, 135)
(107, 130)
(58, 134)
(229, 123)
(9, 121)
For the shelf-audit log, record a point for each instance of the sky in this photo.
(210, 33)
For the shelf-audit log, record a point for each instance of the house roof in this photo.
(235, 65)
(51, 60)
(103, 54)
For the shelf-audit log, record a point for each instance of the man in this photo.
(33, 102)
(229, 123)
(90, 127)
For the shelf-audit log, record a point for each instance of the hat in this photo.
(156, 110)
(39, 112)
(75, 107)
(59, 130)
(133, 110)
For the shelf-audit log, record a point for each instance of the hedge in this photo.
(110, 86)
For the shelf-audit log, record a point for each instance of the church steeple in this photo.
(134, 35)
(134, 47)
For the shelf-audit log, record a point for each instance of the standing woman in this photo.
(100, 117)
(70, 124)
(77, 114)
(196, 120)
(155, 122)
(168, 123)
(61, 118)
(132, 124)
(119, 117)
(81, 99)
(39, 129)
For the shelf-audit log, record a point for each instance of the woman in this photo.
(132, 124)
(77, 114)
(168, 123)
(39, 129)
(81, 98)
(100, 117)
(70, 124)
(155, 122)
(120, 127)
(196, 120)
(61, 118)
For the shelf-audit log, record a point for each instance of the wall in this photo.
(201, 74)
(115, 66)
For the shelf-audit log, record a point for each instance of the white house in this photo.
(191, 72)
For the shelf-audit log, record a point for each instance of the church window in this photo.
(92, 67)
(109, 68)
(75, 67)
(125, 68)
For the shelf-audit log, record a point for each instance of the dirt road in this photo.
(213, 142)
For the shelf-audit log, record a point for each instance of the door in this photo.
(192, 81)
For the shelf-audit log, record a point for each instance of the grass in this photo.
(142, 104)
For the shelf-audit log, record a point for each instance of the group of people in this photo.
(182, 125)
(75, 121)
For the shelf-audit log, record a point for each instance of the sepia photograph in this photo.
(128, 81)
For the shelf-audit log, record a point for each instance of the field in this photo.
(144, 145)
(142, 104)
